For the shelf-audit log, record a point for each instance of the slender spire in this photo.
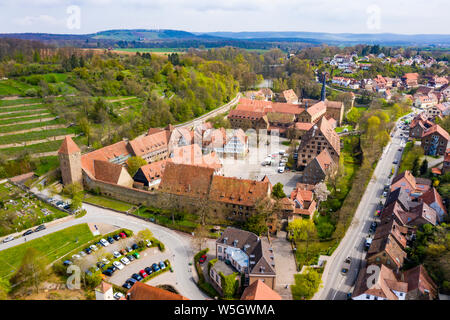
(323, 94)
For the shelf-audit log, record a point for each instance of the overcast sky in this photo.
(354, 16)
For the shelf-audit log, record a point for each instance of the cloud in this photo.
(41, 19)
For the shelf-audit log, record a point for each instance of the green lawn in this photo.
(340, 129)
(53, 246)
(108, 202)
(12, 87)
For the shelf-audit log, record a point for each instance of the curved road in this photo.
(177, 243)
(335, 285)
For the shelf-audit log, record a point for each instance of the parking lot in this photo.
(251, 167)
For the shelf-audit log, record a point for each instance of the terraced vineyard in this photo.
(28, 125)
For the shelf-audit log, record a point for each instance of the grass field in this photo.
(12, 87)
(36, 135)
(23, 119)
(22, 108)
(21, 114)
(40, 147)
(108, 202)
(53, 246)
(4, 103)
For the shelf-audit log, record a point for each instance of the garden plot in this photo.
(20, 211)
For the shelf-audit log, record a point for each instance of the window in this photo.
(219, 249)
(367, 296)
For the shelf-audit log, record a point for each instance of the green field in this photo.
(21, 114)
(36, 135)
(26, 126)
(12, 87)
(40, 147)
(23, 108)
(53, 246)
(19, 101)
(23, 119)
(142, 50)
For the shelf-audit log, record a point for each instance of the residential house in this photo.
(419, 125)
(446, 164)
(386, 251)
(247, 254)
(303, 200)
(317, 169)
(414, 187)
(142, 291)
(410, 80)
(433, 199)
(435, 140)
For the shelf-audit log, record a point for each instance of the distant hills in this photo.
(140, 38)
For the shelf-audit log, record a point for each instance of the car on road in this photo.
(395, 162)
(118, 265)
(110, 240)
(40, 228)
(8, 239)
(346, 267)
(104, 242)
(162, 265)
(93, 247)
(125, 261)
(148, 270)
(202, 258)
(143, 274)
(27, 232)
(136, 277)
(155, 267)
(130, 257)
(367, 243)
(373, 226)
(118, 295)
(116, 254)
(116, 237)
(400, 149)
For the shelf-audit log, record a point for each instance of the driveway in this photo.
(284, 264)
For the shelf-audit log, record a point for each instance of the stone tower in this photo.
(70, 162)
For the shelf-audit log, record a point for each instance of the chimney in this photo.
(128, 296)
(235, 242)
(306, 105)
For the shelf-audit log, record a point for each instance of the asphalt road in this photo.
(335, 285)
(175, 242)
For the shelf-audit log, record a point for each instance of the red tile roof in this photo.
(142, 291)
(324, 160)
(154, 170)
(107, 153)
(107, 171)
(149, 143)
(68, 146)
(437, 129)
(258, 290)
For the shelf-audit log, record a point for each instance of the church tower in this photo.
(70, 162)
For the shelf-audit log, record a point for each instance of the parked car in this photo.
(118, 265)
(130, 257)
(88, 250)
(40, 228)
(134, 246)
(131, 281)
(127, 285)
(105, 261)
(202, 258)
(346, 266)
(104, 242)
(148, 270)
(122, 235)
(281, 169)
(67, 262)
(116, 237)
(143, 274)
(27, 232)
(118, 295)
(136, 255)
(110, 240)
(100, 265)
(93, 247)
(367, 243)
(125, 261)
(123, 252)
(82, 253)
(148, 243)
(116, 254)
(395, 162)
(129, 249)
(76, 257)
(162, 265)
(155, 267)
(107, 272)
(373, 226)
(8, 239)
(137, 277)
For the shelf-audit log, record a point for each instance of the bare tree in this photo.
(321, 191)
